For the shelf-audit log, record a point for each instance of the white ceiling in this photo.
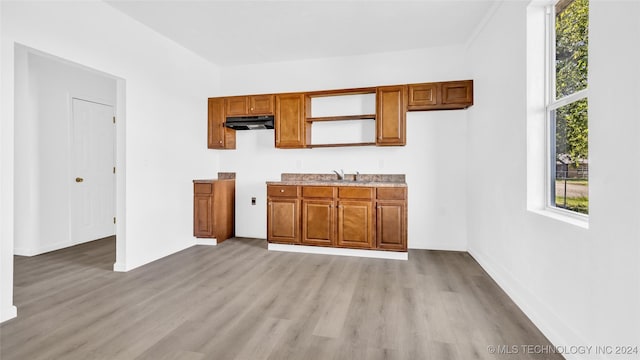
(248, 32)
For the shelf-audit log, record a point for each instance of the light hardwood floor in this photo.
(239, 301)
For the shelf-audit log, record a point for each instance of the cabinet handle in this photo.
(281, 190)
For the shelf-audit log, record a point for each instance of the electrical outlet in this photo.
(253, 200)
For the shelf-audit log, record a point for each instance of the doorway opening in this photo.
(69, 155)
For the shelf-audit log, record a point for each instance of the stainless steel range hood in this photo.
(250, 122)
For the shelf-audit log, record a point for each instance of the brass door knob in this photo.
(79, 179)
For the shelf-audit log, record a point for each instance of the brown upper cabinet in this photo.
(391, 115)
(249, 105)
(218, 136)
(293, 119)
(290, 125)
(448, 95)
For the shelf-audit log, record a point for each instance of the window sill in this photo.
(564, 216)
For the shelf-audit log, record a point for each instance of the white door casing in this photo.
(92, 169)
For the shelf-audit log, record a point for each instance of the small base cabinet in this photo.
(338, 216)
(283, 214)
(391, 216)
(214, 209)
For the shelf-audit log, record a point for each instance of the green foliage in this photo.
(572, 26)
(572, 131)
(577, 204)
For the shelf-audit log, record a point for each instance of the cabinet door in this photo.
(391, 229)
(423, 96)
(237, 106)
(290, 121)
(261, 104)
(391, 115)
(283, 221)
(202, 216)
(355, 224)
(218, 136)
(457, 93)
(224, 200)
(318, 222)
(215, 138)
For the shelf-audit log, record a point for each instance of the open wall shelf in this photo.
(334, 118)
(342, 118)
(341, 145)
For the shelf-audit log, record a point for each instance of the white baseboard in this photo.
(9, 313)
(46, 248)
(120, 267)
(377, 254)
(440, 247)
(128, 266)
(206, 241)
(557, 331)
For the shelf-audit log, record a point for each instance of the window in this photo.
(567, 107)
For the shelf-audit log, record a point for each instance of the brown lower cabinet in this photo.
(214, 209)
(349, 217)
(283, 214)
(391, 218)
(318, 218)
(356, 224)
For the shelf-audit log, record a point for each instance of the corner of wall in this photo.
(7, 309)
(549, 323)
(8, 313)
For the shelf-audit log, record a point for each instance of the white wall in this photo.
(43, 92)
(434, 159)
(580, 286)
(7, 309)
(162, 111)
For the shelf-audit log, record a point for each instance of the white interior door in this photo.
(92, 166)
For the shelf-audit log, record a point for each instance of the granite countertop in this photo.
(373, 180)
(221, 176)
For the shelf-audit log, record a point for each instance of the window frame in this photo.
(552, 104)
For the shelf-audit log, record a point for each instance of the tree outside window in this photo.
(568, 108)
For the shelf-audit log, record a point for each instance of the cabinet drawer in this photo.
(355, 193)
(202, 188)
(318, 191)
(392, 193)
(282, 191)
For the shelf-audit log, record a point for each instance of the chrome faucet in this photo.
(340, 174)
(355, 177)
